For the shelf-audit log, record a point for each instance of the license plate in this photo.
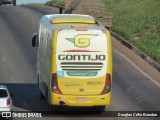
(81, 99)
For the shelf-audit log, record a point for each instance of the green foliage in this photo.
(138, 21)
(55, 3)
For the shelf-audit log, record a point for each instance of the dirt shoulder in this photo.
(142, 64)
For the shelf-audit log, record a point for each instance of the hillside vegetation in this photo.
(55, 3)
(138, 21)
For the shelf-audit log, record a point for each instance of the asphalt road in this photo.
(133, 90)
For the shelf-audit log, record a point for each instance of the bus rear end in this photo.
(82, 68)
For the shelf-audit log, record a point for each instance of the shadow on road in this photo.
(26, 97)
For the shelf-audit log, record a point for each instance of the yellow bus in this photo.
(74, 61)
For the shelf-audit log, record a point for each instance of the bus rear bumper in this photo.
(73, 100)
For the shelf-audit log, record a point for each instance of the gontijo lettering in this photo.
(82, 57)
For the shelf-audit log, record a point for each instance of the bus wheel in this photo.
(42, 96)
(100, 108)
(48, 106)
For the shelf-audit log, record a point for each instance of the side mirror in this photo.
(35, 40)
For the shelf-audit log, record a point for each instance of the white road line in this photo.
(25, 104)
(139, 69)
(4, 59)
(12, 79)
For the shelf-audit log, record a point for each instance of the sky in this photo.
(30, 1)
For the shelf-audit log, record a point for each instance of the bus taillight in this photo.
(54, 84)
(107, 87)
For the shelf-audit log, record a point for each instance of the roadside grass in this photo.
(55, 3)
(138, 21)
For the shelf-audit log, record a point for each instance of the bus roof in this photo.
(71, 21)
(71, 18)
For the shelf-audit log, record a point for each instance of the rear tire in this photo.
(49, 107)
(42, 96)
(100, 108)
